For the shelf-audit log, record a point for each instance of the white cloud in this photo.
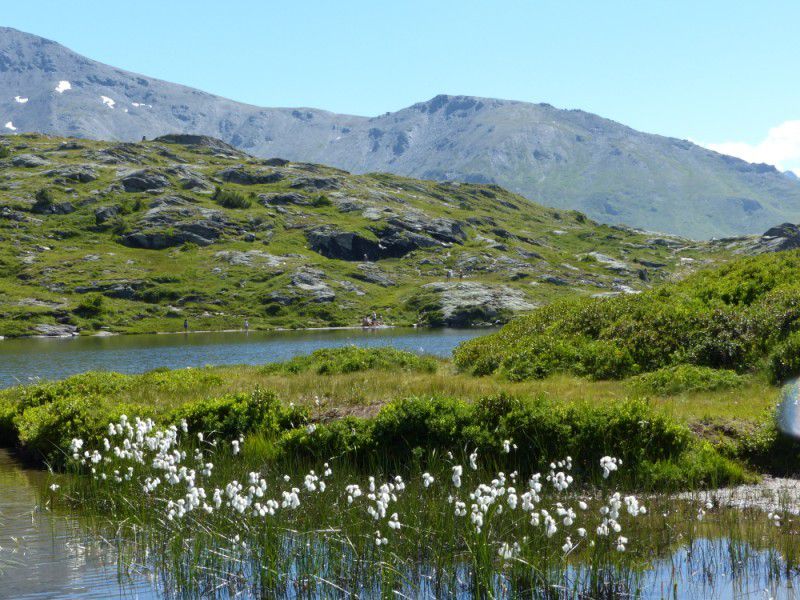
(10, 126)
(63, 86)
(780, 148)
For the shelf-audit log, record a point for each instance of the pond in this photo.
(28, 359)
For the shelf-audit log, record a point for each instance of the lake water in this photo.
(24, 360)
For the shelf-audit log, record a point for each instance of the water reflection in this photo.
(47, 556)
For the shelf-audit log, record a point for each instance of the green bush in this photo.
(351, 359)
(44, 197)
(656, 450)
(734, 317)
(784, 361)
(45, 431)
(4, 151)
(231, 199)
(686, 378)
(91, 305)
(235, 414)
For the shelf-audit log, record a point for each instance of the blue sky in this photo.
(719, 73)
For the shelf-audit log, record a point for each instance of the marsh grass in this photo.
(326, 547)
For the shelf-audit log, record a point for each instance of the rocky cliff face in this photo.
(562, 158)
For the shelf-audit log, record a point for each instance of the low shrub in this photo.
(350, 359)
(678, 379)
(658, 451)
(231, 199)
(235, 414)
(784, 360)
(91, 305)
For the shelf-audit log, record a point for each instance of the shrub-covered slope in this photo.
(743, 316)
(138, 237)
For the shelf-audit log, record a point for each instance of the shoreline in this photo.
(274, 330)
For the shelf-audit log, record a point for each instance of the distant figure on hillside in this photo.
(186, 324)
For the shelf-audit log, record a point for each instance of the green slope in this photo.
(133, 238)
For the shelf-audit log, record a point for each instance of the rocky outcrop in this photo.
(371, 273)
(104, 214)
(61, 330)
(173, 221)
(189, 179)
(310, 282)
(199, 142)
(46, 207)
(782, 237)
(74, 173)
(29, 161)
(467, 303)
(316, 183)
(243, 176)
(143, 180)
(126, 290)
(251, 258)
(343, 245)
(443, 230)
(354, 246)
(283, 199)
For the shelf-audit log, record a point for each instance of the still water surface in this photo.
(23, 360)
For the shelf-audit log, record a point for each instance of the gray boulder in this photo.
(143, 180)
(310, 282)
(104, 214)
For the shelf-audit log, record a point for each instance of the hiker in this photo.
(246, 325)
(186, 324)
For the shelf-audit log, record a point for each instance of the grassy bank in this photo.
(391, 404)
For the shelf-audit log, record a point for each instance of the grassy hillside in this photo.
(98, 236)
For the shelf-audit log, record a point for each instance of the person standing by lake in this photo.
(246, 325)
(186, 325)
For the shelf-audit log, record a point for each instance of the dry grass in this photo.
(354, 392)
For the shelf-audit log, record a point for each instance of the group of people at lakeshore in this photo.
(373, 320)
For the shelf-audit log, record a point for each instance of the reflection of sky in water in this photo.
(43, 555)
(789, 412)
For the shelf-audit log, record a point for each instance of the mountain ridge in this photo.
(566, 158)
